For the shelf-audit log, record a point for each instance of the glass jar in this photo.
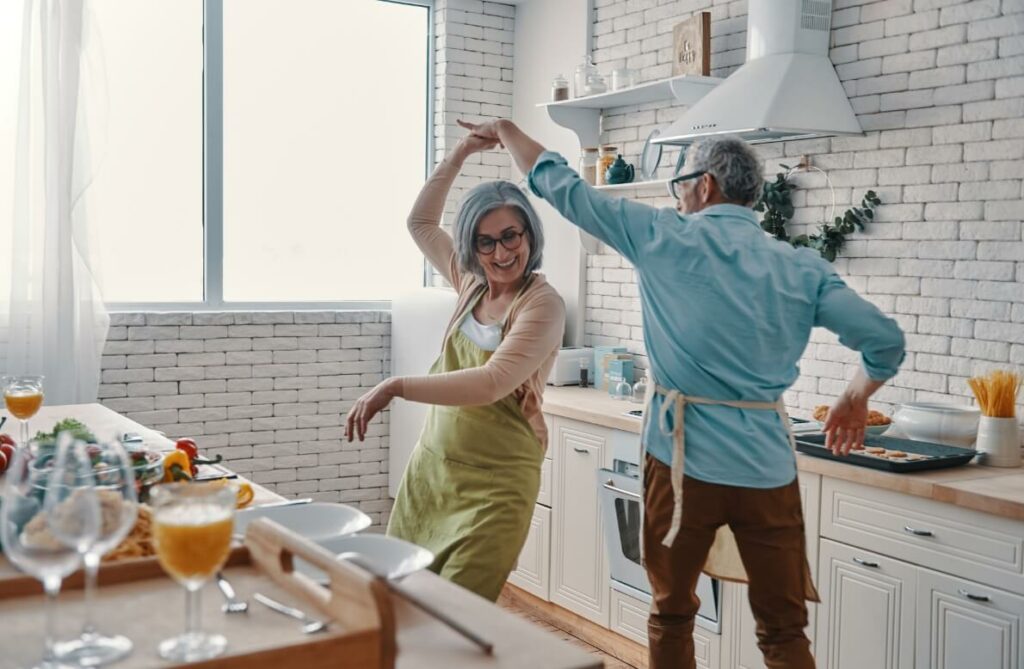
(596, 84)
(622, 389)
(623, 77)
(640, 389)
(588, 165)
(608, 154)
(559, 88)
(584, 71)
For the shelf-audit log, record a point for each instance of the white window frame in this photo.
(213, 179)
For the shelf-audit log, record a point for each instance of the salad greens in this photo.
(77, 429)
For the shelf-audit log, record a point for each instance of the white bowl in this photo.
(316, 520)
(388, 556)
(949, 424)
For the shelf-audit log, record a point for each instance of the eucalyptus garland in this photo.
(777, 204)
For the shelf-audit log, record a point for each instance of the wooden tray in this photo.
(938, 455)
(148, 607)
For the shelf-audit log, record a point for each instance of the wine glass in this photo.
(114, 477)
(192, 526)
(23, 396)
(28, 536)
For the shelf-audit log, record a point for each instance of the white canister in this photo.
(998, 442)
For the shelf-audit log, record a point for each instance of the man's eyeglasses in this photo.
(673, 185)
(510, 239)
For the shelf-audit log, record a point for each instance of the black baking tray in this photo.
(941, 456)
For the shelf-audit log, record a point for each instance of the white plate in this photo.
(650, 157)
(316, 520)
(387, 555)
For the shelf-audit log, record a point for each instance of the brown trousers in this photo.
(769, 529)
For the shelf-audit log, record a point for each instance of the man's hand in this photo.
(845, 423)
(368, 406)
(472, 143)
(488, 130)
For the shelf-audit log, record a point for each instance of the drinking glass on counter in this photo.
(40, 538)
(23, 395)
(114, 479)
(192, 525)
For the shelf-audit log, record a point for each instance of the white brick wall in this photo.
(939, 86)
(266, 390)
(474, 82)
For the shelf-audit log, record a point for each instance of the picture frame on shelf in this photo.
(691, 45)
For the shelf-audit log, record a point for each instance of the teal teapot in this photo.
(619, 172)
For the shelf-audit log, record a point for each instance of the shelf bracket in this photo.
(584, 122)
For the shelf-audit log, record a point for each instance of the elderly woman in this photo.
(471, 484)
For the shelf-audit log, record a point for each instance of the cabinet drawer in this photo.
(533, 567)
(964, 624)
(979, 546)
(544, 495)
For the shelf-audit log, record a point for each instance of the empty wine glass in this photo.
(115, 491)
(23, 395)
(192, 526)
(38, 544)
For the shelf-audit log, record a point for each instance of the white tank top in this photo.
(486, 337)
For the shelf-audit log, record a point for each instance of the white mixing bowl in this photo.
(950, 424)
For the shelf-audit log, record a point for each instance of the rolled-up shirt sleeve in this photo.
(620, 223)
(862, 327)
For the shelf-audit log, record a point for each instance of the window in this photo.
(314, 147)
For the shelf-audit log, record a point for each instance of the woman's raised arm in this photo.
(424, 221)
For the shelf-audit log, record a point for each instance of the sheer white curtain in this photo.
(54, 320)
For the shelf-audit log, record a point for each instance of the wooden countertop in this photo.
(994, 490)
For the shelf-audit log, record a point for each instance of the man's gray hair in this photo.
(733, 164)
(484, 199)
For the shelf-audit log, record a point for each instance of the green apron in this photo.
(471, 484)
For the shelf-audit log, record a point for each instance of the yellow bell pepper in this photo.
(177, 467)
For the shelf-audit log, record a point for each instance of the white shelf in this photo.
(635, 185)
(583, 115)
(686, 89)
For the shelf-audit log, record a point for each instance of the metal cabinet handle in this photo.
(581, 450)
(916, 532)
(973, 597)
(628, 493)
(866, 563)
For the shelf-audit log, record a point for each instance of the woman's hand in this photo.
(845, 423)
(368, 406)
(471, 144)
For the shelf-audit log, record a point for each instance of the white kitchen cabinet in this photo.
(544, 493)
(742, 652)
(867, 614)
(579, 566)
(533, 569)
(964, 624)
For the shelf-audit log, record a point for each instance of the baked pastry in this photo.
(820, 412)
(875, 450)
(877, 418)
(896, 454)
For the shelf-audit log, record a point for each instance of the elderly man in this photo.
(727, 313)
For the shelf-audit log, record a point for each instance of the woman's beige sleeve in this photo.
(425, 222)
(535, 333)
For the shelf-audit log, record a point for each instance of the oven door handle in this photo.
(609, 485)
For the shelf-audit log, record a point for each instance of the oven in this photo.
(619, 489)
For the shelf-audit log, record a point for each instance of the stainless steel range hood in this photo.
(786, 90)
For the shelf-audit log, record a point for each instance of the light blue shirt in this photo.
(727, 313)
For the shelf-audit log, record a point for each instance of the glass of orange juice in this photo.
(192, 526)
(23, 396)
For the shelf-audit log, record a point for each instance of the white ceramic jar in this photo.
(950, 424)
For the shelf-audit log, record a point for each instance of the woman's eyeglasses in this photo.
(510, 239)
(673, 185)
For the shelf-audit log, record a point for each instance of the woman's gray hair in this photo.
(484, 199)
(733, 164)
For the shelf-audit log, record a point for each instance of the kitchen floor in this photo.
(609, 661)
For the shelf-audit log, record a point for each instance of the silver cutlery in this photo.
(361, 561)
(309, 625)
(233, 604)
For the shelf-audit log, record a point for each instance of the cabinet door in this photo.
(532, 572)
(866, 618)
(579, 566)
(629, 618)
(963, 624)
(745, 653)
